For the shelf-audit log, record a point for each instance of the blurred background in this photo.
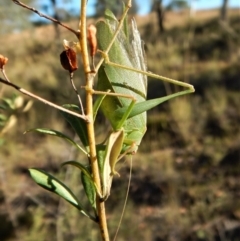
(186, 175)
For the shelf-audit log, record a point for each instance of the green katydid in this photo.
(124, 74)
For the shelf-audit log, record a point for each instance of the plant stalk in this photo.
(90, 125)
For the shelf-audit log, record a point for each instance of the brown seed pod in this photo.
(92, 39)
(3, 61)
(68, 59)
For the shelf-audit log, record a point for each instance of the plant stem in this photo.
(45, 16)
(25, 92)
(76, 91)
(90, 124)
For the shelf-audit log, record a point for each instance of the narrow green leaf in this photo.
(87, 181)
(78, 124)
(58, 134)
(3, 117)
(3, 106)
(89, 188)
(52, 184)
(143, 106)
(8, 103)
(78, 165)
(97, 105)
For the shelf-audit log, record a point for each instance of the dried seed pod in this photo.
(3, 61)
(92, 39)
(68, 59)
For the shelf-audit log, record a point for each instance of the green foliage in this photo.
(89, 188)
(58, 134)
(11, 109)
(87, 181)
(52, 184)
(78, 125)
(177, 5)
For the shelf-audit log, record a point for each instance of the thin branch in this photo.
(76, 91)
(45, 16)
(4, 74)
(25, 92)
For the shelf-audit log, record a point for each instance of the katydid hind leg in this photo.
(126, 198)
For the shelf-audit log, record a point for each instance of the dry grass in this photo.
(182, 187)
(177, 19)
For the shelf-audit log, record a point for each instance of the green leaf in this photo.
(143, 106)
(52, 184)
(84, 170)
(3, 117)
(97, 105)
(9, 103)
(89, 188)
(58, 134)
(78, 124)
(78, 165)
(3, 106)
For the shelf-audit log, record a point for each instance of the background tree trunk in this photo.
(157, 6)
(223, 15)
(55, 15)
